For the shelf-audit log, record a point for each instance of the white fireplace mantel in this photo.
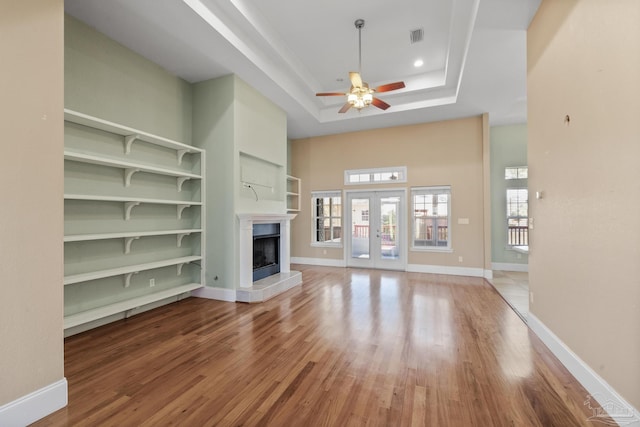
(246, 243)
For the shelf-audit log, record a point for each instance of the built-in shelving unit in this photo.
(293, 194)
(104, 278)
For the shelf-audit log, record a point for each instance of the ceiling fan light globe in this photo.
(367, 98)
(352, 98)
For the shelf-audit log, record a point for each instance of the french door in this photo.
(377, 230)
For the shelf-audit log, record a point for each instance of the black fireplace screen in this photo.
(266, 250)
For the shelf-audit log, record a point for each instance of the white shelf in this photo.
(129, 270)
(93, 197)
(129, 134)
(119, 307)
(131, 202)
(130, 236)
(293, 197)
(103, 236)
(129, 168)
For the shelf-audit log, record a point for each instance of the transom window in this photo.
(517, 172)
(375, 175)
(431, 217)
(327, 218)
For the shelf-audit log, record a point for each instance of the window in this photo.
(519, 172)
(517, 217)
(375, 175)
(327, 218)
(364, 215)
(431, 217)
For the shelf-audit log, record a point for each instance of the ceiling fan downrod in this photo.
(359, 24)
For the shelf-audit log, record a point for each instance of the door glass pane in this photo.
(389, 248)
(360, 228)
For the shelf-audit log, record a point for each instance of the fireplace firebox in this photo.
(266, 250)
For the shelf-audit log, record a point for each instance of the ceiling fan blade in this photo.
(390, 87)
(380, 103)
(355, 78)
(330, 94)
(345, 108)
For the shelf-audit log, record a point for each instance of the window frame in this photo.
(434, 190)
(400, 170)
(314, 218)
(517, 217)
(518, 170)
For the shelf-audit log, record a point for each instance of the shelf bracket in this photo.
(180, 237)
(180, 154)
(127, 243)
(182, 180)
(128, 206)
(128, 173)
(127, 278)
(128, 142)
(180, 268)
(181, 208)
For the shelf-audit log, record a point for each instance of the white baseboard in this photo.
(606, 398)
(34, 406)
(448, 270)
(210, 292)
(506, 266)
(325, 262)
(414, 268)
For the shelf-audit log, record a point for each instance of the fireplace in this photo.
(271, 227)
(266, 250)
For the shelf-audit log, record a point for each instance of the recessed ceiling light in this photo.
(418, 63)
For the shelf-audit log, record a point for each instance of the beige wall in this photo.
(31, 224)
(584, 62)
(443, 153)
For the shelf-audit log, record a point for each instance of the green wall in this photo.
(104, 79)
(508, 148)
(245, 137)
(213, 130)
(107, 80)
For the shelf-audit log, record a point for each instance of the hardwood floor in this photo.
(350, 347)
(514, 288)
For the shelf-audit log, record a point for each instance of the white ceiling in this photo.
(474, 53)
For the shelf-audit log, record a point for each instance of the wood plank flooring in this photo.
(350, 347)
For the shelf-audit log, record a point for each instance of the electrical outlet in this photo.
(152, 283)
(460, 259)
(531, 297)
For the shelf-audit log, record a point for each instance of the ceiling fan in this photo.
(360, 95)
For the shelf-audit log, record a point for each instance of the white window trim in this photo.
(315, 195)
(371, 171)
(440, 249)
(516, 167)
(515, 247)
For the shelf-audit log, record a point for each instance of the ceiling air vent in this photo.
(416, 35)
